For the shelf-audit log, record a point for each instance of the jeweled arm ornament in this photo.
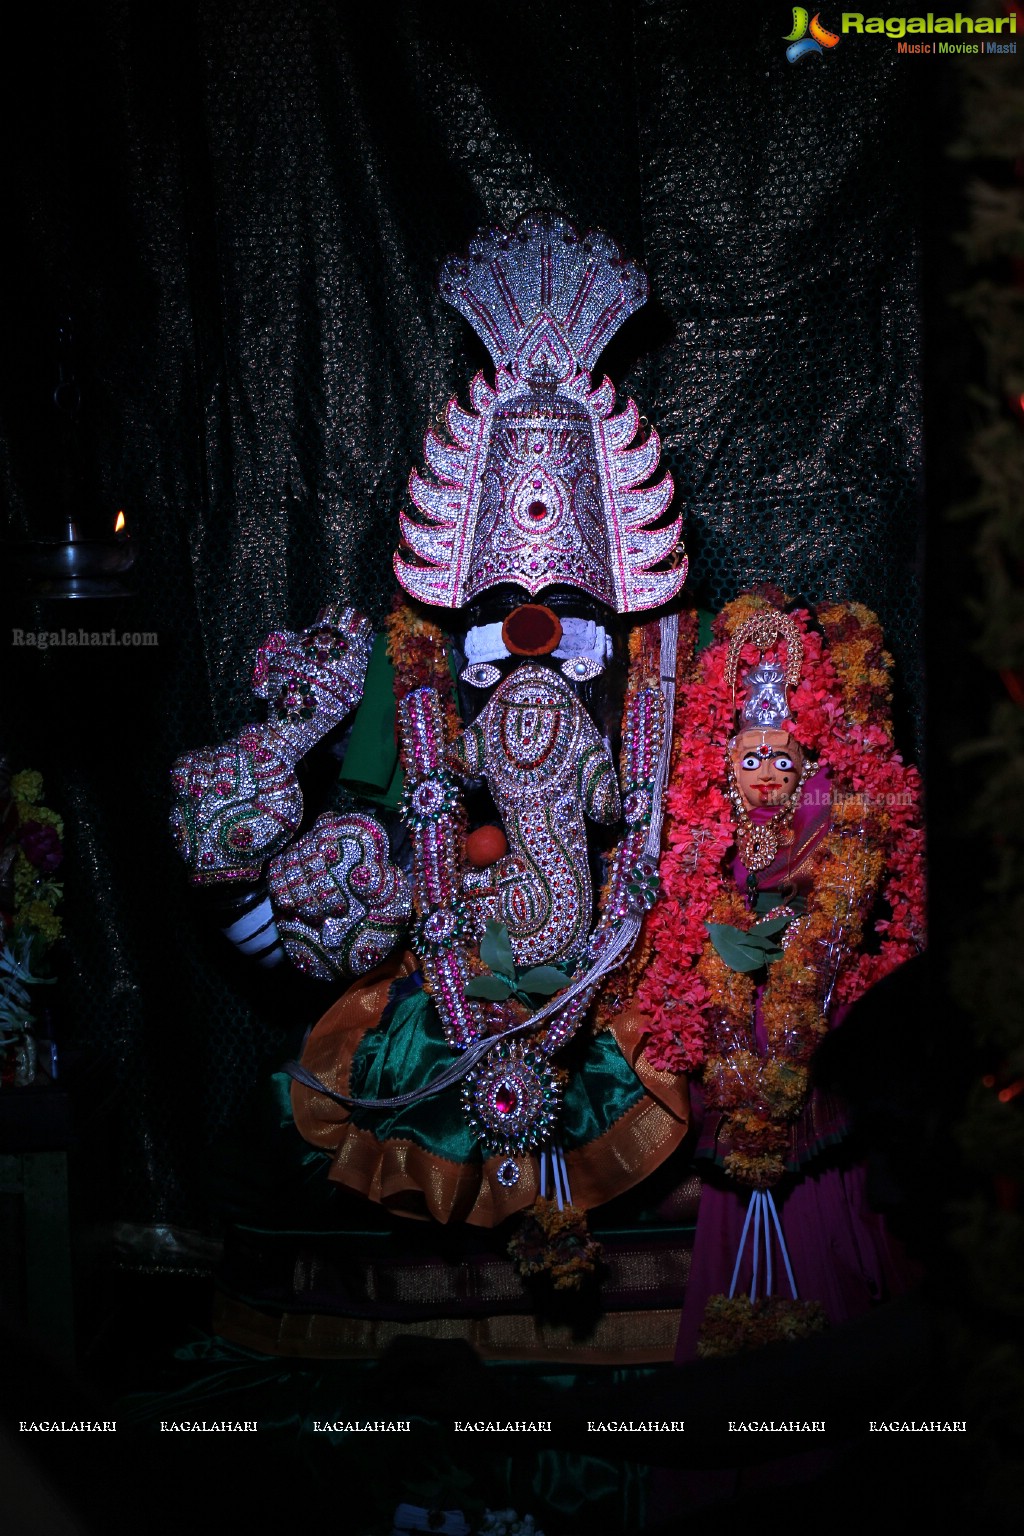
(332, 901)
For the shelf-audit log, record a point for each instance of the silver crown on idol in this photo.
(539, 484)
(766, 706)
(767, 683)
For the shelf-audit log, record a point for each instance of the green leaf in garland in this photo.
(733, 948)
(542, 980)
(767, 901)
(496, 951)
(770, 929)
(494, 988)
(747, 952)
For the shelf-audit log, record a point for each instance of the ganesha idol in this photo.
(486, 1055)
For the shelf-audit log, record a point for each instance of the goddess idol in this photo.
(792, 883)
(487, 1054)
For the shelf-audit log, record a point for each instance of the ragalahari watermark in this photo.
(55, 639)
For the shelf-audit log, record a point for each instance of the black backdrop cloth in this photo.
(243, 206)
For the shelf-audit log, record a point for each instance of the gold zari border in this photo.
(618, 1338)
(410, 1181)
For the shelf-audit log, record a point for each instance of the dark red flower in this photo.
(41, 846)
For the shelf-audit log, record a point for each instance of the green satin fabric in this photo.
(409, 1049)
(370, 767)
(267, 1178)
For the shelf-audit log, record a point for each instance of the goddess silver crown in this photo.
(539, 484)
(766, 706)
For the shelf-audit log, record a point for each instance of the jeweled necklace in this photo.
(758, 842)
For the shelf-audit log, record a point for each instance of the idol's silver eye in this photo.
(480, 674)
(750, 762)
(783, 763)
(580, 669)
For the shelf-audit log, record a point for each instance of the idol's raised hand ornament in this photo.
(336, 905)
(237, 804)
(340, 903)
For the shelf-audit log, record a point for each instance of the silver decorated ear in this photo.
(480, 674)
(580, 669)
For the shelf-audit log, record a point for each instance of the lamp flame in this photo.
(119, 523)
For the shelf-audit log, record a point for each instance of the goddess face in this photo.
(768, 765)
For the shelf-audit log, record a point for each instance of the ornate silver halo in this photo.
(541, 482)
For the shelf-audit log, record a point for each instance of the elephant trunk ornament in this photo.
(547, 768)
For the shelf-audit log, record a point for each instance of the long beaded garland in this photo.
(431, 806)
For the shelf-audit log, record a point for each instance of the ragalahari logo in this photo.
(807, 37)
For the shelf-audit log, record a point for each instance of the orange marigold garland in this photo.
(868, 868)
(644, 671)
(734, 1324)
(419, 650)
(554, 1242)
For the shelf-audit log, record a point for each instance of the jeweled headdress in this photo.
(766, 705)
(539, 484)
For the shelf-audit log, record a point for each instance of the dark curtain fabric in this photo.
(242, 205)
